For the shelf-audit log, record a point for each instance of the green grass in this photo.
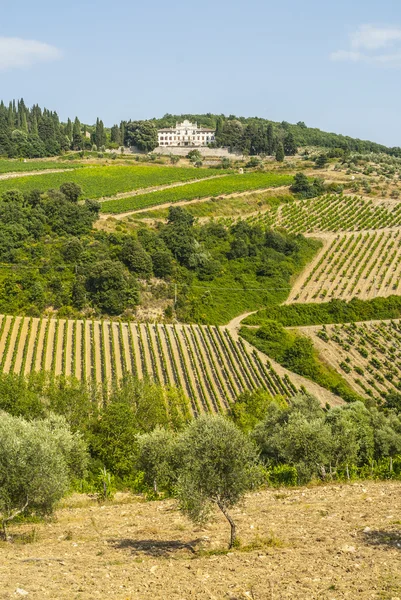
(109, 180)
(230, 184)
(335, 311)
(17, 166)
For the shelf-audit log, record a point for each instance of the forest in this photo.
(52, 257)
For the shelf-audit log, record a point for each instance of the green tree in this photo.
(155, 458)
(111, 288)
(72, 191)
(280, 152)
(290, 147)
(37, 461)
(142, 134)
(136, 258)
(219, 465)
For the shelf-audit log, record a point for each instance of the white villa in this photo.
(185, 134)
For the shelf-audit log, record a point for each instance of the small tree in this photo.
(37, 461)
(280, 152)
(219, 465)
(155, 452)
(72, 191)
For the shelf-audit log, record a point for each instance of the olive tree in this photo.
(155, 458)
(37, 462)
(219, 465)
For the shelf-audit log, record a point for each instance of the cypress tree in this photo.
(34, 127)
(280, 152)
(76, 135)
(270, 139)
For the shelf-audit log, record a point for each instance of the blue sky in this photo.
(336, 66)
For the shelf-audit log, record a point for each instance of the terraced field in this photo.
(368, 354)
(221, 186)
(360, 264)
(98, 182)
(18, 166)
(332, 213)
(207, 362)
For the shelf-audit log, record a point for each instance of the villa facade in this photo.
(186, 134)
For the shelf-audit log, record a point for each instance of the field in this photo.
(207, 362)
(18, 166)
(363, 265)
(97, 182)
(230, 184)
(325, 542)
(332, 213)
(368, 354)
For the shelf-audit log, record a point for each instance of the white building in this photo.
(185, 134)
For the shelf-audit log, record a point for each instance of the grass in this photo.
(335, 311)
(100, 181)
(231, 184)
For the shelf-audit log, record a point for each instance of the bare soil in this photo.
(328, 542)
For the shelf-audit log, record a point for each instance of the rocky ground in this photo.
(334, 541)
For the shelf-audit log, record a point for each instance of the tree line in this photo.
(54, 436)
(38, 132)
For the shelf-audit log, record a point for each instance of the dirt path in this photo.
(21, 346)
(181, 356)
(157, 188)
(316, 390)
(137, 351)
(166, 356)
(29, 366)
(11, 347)
(126, 347)
(40, 350)
(118, 216)
(115, 333)
(59, 347)
(68, 351)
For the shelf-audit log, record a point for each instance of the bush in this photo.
(282, 475)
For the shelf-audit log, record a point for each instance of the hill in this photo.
(326, 542)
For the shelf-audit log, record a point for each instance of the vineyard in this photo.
(97, 182)
(206, 362)
(18, 166)
(368, 355)
(360, 264)
(230, 184)
(331, 213)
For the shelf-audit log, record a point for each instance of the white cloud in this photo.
(366, 44)
(369, 37)
(17, 53)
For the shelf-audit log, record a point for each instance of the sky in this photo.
(336, 66)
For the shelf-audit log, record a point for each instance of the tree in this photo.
(290, 147)
(100, 135)
(155, 458)
(37, 461)
(72, 191)
(111, 288)
(321, 161)
(142, 134)
(280, 152)
(136, 258)
(76, 135)
(219, 465)
(270, 139)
